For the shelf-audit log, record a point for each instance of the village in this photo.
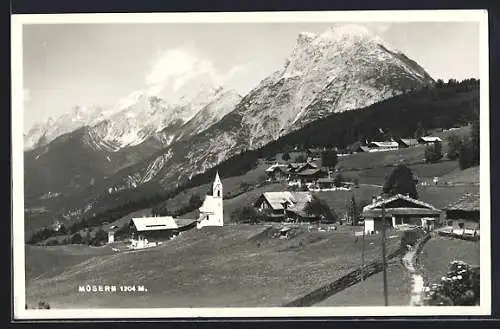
(291, 205)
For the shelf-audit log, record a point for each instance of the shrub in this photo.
(246, 214)
(454, 146)
(43, 305)
(433, 153)
(459, 287)
(76, 238)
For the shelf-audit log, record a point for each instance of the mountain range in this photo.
(149, 140)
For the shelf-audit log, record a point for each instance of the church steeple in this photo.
(217, 186)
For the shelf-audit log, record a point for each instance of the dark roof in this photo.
(307, 172)
(468, 202)
(408, 141)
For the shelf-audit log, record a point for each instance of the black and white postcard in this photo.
(283, 164)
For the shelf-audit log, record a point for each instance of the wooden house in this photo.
(400, 210)
(284, 206)
(153, 228)
(277, 172)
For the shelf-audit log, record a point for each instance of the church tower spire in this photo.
(217, 187)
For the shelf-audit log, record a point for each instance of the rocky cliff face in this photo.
(67, 156)
(342, 69)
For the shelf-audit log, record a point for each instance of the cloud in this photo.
(26, 95)
(379, 28)
(177, 68)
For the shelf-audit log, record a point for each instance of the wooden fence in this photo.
(344, 282)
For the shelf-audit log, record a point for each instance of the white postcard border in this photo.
(18, 21)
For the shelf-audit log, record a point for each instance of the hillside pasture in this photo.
(371, 290)
(236, 265)
(47, 261)
(469, 176)
(440, 251)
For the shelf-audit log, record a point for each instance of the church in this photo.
(211, 211)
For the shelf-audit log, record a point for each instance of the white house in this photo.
(211, 211)
(400, 210)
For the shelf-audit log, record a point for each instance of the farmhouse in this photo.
(284, 206)
(277, 172)
(400, 210)
(382, 146)
(463, 214)
(153, 228)
(428, 140)
(407, 142)
(310, 175)
(305, 172)
(298, 167)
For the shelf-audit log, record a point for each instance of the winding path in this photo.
(417, 281)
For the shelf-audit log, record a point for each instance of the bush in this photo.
(433, 153)
(99, 238)
(246, 214)
(43, 305)
(454, 146)
(52, 242)
(300, 158)
(320, 208)
(459, 287)
(338, 180)
(76, 238)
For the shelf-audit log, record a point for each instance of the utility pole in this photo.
(384, 262)
(363, 260)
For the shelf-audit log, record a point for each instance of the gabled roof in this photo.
(408, 141)
(467, 202)
(429, 139)
(364, 148)
(307, 172)
(301, 166)
(274, 167)
(378, 204)
(385, 144)
(295, 200)
(154, 223)
(414, 207)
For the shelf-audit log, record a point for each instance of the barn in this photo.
(462, 215)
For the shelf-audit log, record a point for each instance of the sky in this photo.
(68, 65)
